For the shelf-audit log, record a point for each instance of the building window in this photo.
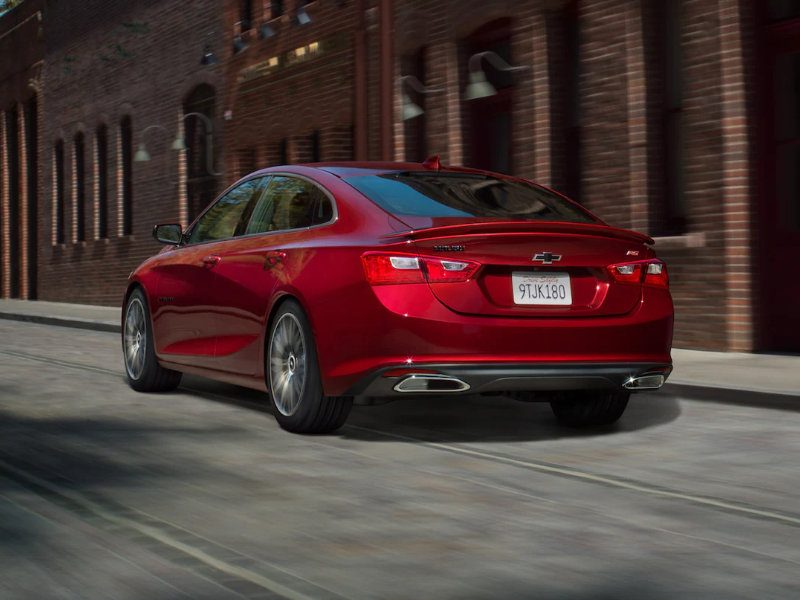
(13, 200)
(662, 23)
(780, 10)
(58, 199)
(201, 183)
(246, 14)
(101, 139)
(283, 152)
(415, 128)
(32, 164)
(126, 175)
(487, 121)
(315, 149)
(79, 210)
(276, 9)
(573, 171)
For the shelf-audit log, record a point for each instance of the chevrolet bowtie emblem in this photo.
(547, 258)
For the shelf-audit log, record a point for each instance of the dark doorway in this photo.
(201, 184)
(777, 285)
(32, 178)
(487, 121)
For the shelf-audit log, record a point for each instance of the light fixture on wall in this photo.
(411, 110)
(142, 155)
(266, 31)
(479, 86)
(208, 56)
(239, 45)
(301, 16)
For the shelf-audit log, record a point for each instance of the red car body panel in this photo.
(211, 303)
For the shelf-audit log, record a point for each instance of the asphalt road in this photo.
(108, 493)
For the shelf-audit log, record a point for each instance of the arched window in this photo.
(58, 192)
(415, 128)
(201, 183)
(101, 158)
(79, 189)
(126, 175)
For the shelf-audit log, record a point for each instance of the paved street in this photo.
(107, 493)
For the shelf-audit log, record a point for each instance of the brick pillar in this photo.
(183, 194)
(22, 216)
(398, 125)
(736, 180)
(542, 171)
(444, 109)
(5, 190)
(116, 159)
(95, 187)
(73, 195)
(637, 118)
(336, 143)
(299, 150)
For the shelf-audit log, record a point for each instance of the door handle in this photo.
(211, 261)
(273, 258)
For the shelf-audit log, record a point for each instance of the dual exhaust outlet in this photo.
(436, 383)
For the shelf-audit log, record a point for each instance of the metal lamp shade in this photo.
(478, 87)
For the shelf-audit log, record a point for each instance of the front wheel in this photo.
(138, 350)
(293, 379)
(590, 408)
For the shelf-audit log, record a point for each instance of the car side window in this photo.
(229, 215)
(290, 203)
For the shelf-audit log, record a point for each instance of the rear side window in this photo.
(423, 194)
(290, 203)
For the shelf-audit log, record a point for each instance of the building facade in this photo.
(677, 118)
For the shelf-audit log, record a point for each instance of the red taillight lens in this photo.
(656, 275)
(646, 272)
(383, 269)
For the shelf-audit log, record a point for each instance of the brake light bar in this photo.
(383, 268)
(652, 273)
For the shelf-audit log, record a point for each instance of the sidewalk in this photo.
(699, 371)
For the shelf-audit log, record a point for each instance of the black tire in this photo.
(138, 352)
(292, 372)
(590, 408)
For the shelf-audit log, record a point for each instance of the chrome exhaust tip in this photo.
(430, 383)
(644, 382)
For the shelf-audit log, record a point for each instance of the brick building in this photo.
(677, 118)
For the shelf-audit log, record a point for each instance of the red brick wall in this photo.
(106, 59)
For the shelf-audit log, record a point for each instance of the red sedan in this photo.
(325, 282)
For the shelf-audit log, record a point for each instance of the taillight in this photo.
(383, 268)
(651, 273)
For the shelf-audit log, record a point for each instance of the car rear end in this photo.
(493, 284)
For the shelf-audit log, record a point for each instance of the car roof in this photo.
(344, 169)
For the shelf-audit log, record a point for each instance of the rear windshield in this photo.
(424, 194)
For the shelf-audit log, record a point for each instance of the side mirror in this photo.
(169, 233)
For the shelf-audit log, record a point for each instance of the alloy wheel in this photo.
(135, 338)
(287, 364)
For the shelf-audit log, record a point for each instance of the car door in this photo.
(251, 266)
(187, 301)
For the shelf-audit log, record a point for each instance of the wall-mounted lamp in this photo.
(142, 155)
(208, 56)
(301, 17)
(266, 31)
(478, 86)
(239, 44)
(411, 110)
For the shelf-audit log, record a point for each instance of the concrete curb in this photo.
(727, 395)
(63, 322)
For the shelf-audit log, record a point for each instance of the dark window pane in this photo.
(102, 182)
(422, 194)
(783, 9)
(788, 164)
(58, 157)
(289, 203)
(126, 158)
(226, 217)
(80, 189)
(787, 93)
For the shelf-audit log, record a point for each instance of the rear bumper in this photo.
(510, 377)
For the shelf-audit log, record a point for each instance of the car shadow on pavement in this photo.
(455, 418)
(492, 419)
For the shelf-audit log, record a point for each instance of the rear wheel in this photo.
(590, 408)
(293, 377)
(138, 351)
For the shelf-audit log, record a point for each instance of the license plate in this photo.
(541, 288)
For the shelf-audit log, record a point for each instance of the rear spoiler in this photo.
(520, 227)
